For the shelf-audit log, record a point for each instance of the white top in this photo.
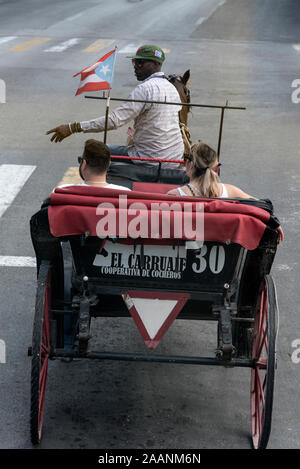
(224, 194)
(109, 186)
(156, 126)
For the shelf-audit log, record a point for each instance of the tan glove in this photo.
(63, 131)
(59, 133)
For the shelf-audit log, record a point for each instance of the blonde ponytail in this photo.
(209, 183)
(205, 159)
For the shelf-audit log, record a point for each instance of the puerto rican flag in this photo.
(98, 76)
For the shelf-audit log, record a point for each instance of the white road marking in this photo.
(283, 267)
(129, 49)
(7, 39)
(201, 19)
(211, 12)
(17, 261)
(64, 45)
(12, 179)
(74, 17)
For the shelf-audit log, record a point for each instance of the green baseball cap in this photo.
(149, 52)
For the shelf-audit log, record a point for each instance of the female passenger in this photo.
(201, 166)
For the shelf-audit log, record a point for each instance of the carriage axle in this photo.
(188, 360)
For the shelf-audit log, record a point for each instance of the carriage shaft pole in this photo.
(235, 362)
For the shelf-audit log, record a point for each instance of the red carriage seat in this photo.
(153, 187)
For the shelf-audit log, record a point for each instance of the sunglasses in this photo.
(80, 159)
(139, 63)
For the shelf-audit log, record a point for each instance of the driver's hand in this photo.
(59, 133)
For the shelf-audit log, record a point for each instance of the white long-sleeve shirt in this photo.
(156, 126)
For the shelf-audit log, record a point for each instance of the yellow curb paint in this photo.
(31, 43)
(98, 45)
(71, 176)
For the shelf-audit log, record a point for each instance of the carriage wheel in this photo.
(40, 351)
(263, 372)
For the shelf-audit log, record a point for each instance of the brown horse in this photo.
(182, 84)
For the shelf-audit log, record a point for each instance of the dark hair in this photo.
(97, 155)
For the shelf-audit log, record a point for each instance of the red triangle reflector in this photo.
(154, 312)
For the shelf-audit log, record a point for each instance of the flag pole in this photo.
(106, 116)
(107, 107)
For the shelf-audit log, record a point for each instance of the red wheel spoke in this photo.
(45, 350)
(263, 342)
(43, 379)
(46, 340)
(258, 402)
(43, 372)
(260, 387)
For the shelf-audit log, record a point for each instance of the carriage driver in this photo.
(156, 127)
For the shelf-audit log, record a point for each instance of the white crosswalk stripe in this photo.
(7, 39)
(64, 45)
(17, 261)
(12, 179)
(129, 49)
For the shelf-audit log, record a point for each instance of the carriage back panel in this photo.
(209, 273)
(147, 173)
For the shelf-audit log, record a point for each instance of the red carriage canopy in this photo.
(77, 210)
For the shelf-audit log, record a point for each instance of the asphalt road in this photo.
(246, 52)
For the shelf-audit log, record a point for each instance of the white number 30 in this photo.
(216, 260)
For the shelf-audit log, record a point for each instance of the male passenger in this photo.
(93, 166)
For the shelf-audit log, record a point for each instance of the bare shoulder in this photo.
(234, 191)
(173, 192)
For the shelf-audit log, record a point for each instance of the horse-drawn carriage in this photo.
(155, 258)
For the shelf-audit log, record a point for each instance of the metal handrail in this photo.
(212, 106)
